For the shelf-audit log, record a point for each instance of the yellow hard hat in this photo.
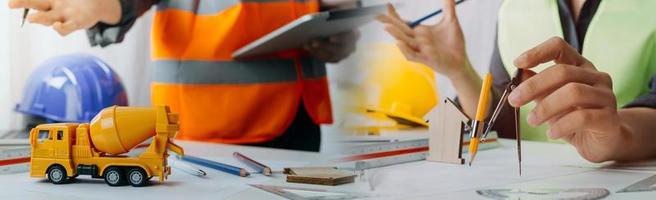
(403, 90)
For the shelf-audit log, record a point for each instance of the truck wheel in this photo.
(57, 174)
(114, 176)
(137, 177)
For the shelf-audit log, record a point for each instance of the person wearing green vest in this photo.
(594, 64)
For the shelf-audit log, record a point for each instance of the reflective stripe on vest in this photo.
(620, 41)
(234, 72)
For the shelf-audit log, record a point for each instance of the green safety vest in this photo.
(620, 41)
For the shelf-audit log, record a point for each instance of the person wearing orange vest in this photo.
(276, 100)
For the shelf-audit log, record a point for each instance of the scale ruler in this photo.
(390, 153)
(14, 169)
(644, 185)
(387, 161)
(14, 159)
(388, 146)
(405, 158)
(286, 193)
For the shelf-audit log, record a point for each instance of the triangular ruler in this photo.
(645, 185)
(298, 193)
(546, 193)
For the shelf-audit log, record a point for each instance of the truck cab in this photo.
(51, 147)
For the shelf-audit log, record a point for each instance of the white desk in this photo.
(545, 166)
(216, 185)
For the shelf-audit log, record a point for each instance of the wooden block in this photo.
(446, 123)
(319, 175)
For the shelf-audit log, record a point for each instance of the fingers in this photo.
(526, 74)
(580, 121)
(333, 49)
(345, 37)
(392, 11)
(398, 35)
(449, 9)
(65, 28)
(315, 44)
(554, 49)
(399, 30)
(41, 5)
(423, 35)
(397, 23)
(45, 18)
(407, 51)
(348, 37)
(395, 19)
(321, 50)
(553, 78)
(568, 98)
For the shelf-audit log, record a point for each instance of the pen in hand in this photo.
(433, 14)
(25, 12)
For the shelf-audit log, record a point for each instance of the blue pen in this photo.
(216, 165)
(419, 21)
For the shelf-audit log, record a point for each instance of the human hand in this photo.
(440, 46)
(573, 98)
(66, 16)
(334, 48)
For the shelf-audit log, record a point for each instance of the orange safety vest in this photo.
(223, 100)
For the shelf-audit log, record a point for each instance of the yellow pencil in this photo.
(479, 122)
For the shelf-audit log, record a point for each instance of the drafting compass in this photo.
(514, 82)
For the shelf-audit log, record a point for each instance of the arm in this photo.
(638, 117)
(468, 88)
(104, 34)
(639, 129)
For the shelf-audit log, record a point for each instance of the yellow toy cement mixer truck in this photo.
(63, 151)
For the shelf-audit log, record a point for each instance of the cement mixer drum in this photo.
(116, 130)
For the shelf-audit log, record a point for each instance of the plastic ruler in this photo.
(548, 193)
(14, 159)
(386, 147)
(387, 161)
(286, 192)
(391, 153)
(644, 185)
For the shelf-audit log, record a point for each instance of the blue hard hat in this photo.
(71, 88)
